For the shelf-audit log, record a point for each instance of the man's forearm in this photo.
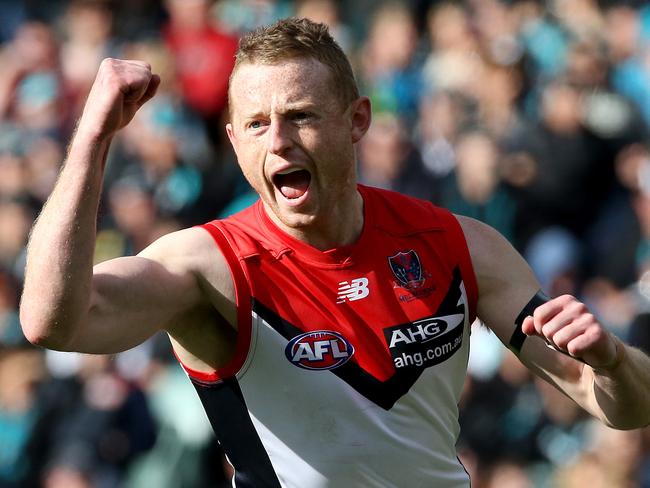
(622, 392)
(61, 247)
(59, 274)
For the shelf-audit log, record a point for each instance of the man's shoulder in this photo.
(193, 251)
(490, 251)
(188, 249)
(480, 234)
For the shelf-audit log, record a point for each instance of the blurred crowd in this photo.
(531, 116)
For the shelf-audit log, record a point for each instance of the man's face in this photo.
(294, 139)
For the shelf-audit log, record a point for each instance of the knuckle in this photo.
(573, 349)
(111, 64)
(567, 298)
(596, 332)
(561, 342)
(539, 314)
(577, 307)
(587, 322)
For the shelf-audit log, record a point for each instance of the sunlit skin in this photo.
(286, 116)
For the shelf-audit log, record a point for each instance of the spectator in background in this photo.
(237, 16)
(501, 417)
(616, 125)
(497, 98)
(559, 175)
(91, 423)
(452, 64)
(20, 371)
(544, 40)
(630, 56)
(42, 161)
(474, 188)
(153, 158)
(204, 58)
(134, 218)
(388, 159)
(327, 12)
(88, 29)
(32, 96)
(496, 26)
(389, 72)
(442, 115)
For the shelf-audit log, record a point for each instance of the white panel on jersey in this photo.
(321, 432)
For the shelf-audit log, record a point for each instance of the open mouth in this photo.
(292, 183)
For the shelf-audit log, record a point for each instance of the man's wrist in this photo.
(90, 134)
(619, 357)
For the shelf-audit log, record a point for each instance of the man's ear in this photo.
(231, 135)
(360, 115)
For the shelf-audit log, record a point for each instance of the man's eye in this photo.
(255, 124)
(301, 116)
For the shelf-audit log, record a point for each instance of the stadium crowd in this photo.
(531, 116)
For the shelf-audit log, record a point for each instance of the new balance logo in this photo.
(354, 290)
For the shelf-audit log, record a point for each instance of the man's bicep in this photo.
(506, 284)
(134, 297)
(508, 293)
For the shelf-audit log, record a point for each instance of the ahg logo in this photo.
(425, 342)
(424, 330)
(319, 350)
(355, 290)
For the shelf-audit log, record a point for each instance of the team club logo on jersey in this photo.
(354, 290)
(319, 350)
(407, 269)
(410, 275)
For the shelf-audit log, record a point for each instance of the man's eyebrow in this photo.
(253, 115)
(299, 107)
(286, 110)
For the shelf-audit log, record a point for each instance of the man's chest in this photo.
(401, 309)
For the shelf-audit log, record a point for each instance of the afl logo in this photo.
(319, 350)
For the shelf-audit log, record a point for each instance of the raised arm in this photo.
(67, 306)
(564, 343)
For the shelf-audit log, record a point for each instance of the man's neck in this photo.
(342, 226)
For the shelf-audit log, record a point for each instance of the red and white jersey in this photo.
(350, 362)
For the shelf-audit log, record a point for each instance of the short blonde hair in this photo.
(299, 38)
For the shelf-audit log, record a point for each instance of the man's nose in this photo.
(279, 137)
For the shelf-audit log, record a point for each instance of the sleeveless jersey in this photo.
(349, 363)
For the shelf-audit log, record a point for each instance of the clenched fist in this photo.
(567, 325)
(119, 90)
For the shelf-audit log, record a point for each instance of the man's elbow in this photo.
(42, 330)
